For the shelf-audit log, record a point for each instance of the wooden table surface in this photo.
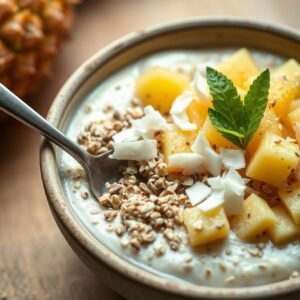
(35, 260)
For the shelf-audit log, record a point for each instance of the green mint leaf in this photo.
(224, 127)
(237, 121)
(255, 104)
(226, 100)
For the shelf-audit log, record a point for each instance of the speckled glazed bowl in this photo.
(124, 278)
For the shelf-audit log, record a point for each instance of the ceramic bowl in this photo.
(123, 277)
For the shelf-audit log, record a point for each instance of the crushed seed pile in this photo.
(147, 199)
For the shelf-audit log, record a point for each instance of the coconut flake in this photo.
(215, 182)
(200, 86)
(190, 163)
(213, 161)
(233, 187)
(148, 110)
(178, 113)
(125, 135)
(200, 144)
(232, 159)
(297, 131)
(151, 122)
(198, 192)
(233, 204)
(138, 150)
(214, 200)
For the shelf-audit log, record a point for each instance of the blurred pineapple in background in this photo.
(30, 34)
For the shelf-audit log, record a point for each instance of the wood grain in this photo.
(35, 260)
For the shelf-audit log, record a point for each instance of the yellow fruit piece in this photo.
(285, 229)
(205, 227)
(241, 92)
(177, 141)
(239, 67)
(294, 105)
(269, 123)
(293, 117)
(281, 94)
(291, 200)
(274, 160)
(256, 219)
(160, 87)
(197, 112)
(214, 137)
(290, 69)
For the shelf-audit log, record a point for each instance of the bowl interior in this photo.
(195, 34)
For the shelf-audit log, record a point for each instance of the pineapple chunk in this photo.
(177, 141)
(274, 160)
(197, 112)
(293, 117)
(239, 67)
(290, 69)
(291, 200)
(160, 87)
(205, 227)
(214, 137)
(294, 105)
(281, 94)
(256, 218)
(269, 123)
(241, 92)
(285, 229)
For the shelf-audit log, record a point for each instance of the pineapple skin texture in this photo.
(285, 229)
(177, 141)
(239, 68)
(30, 35)
(291, 200)
(257, 218)
(215, 225)
(159, 87)
(273, 161)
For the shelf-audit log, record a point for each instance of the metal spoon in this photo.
(99, 169)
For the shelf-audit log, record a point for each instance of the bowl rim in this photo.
(52, 182)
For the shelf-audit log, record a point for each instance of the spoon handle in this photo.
(18, 109)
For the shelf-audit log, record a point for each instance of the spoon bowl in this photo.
(99, 169)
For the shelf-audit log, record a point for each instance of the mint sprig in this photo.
(237, 121)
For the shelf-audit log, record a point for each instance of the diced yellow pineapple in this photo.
(294, 105)
(214, 137)
(293, 117)
(256, 219)
(269, 123)
(281, 94)
(285, 229)
(177, 141)
(197, 112)
(290, 69)
(159, 87)
(205, 227)
(239, 67)
(241, 92)
(290, 197)
(274, 160)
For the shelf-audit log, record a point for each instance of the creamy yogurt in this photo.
(227, 263)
